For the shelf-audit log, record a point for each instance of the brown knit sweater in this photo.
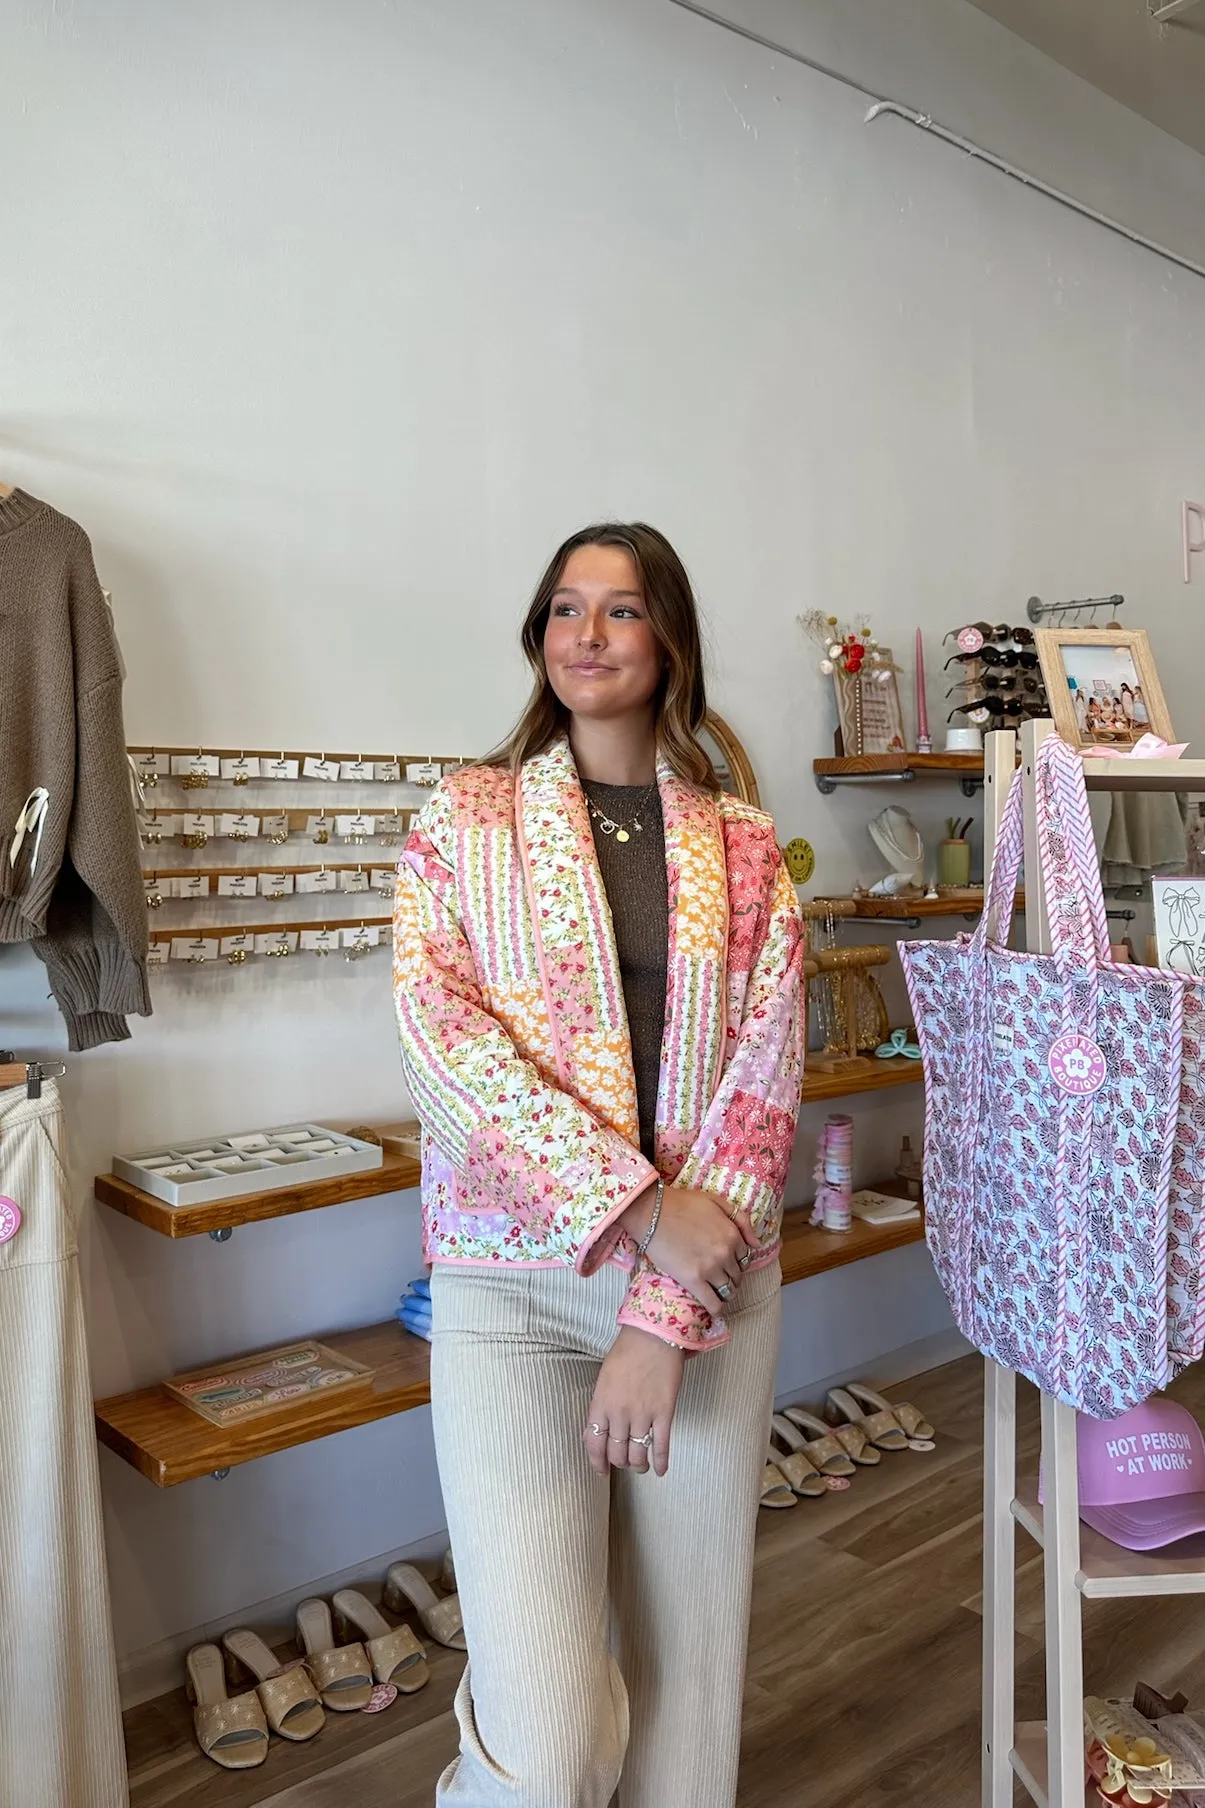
(82, 904)
(637, 887)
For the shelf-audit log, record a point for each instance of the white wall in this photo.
(329, 322)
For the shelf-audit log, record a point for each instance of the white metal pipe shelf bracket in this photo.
(1170, 9)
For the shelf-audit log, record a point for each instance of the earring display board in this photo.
(229, 825)
(193, 1172)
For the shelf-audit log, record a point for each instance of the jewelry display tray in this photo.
(254, 1161)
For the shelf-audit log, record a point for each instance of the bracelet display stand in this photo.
(1048, 1758)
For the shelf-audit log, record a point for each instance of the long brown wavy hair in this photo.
(681, 701)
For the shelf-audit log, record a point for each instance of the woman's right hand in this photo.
(696, 1243)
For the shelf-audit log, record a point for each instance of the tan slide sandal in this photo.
(343, 1676)
(910, 1419)
(396, 1654)
(881, 1427)
(776, 1490)
(823, 1446)
(852, 1438)
(287, 1696)
(789, 1452)
(441, 1620)
(230, 1729)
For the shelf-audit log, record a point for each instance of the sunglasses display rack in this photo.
(997, 680)
(243, 813)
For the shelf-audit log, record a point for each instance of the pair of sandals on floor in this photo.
(291, 1699)
(804, 1451)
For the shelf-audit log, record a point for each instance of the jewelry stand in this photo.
(848, 969)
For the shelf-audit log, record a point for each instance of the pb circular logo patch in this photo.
(970, 640)
(10, 1219)
(1077, 1065)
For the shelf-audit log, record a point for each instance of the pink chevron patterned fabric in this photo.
(514, 1034)
(1048, 1210)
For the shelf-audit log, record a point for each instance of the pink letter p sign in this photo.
(1077, 1065)
(10, 1219)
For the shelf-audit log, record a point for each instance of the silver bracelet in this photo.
(651, 1232)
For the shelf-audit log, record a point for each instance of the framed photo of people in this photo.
(1103, 688)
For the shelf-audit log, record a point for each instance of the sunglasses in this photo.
(980, 708)
(1002, 633)
(1007, 656)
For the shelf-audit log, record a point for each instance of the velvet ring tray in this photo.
(222, 1167)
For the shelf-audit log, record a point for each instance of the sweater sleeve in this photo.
(523, 1146)
(96, 930)
(743, 1149)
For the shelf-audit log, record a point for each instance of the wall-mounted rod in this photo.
(1035, 608)
(1171, 9)
(927, 123)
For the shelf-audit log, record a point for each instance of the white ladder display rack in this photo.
(1048, 1757)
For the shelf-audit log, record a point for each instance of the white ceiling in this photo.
(1157, 70)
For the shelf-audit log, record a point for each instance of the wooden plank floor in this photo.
(863, 1687)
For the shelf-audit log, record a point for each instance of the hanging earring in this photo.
(154, 830)
(195, 781)
(237, 957)
(322, 834)
(242, 778)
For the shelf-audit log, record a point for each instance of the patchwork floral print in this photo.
(514, 1035)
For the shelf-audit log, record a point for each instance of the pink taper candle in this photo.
(923, 743)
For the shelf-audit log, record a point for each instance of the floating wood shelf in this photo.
(167, 1443)
(901, 910)
(1144, 775)
(899, 768)
(396, 1174)
(871, 1077)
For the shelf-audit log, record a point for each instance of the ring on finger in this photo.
(745, 1258)
(617, 1441)
(596, 1431)
(646, 1442)
(724, 1290)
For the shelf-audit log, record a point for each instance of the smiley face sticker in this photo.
(801, 859)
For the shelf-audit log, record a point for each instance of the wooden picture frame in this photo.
(1103, 688)
(882, 716)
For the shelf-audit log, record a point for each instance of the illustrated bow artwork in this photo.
(898, 1044)
(1182, 908)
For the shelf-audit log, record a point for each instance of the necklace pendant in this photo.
(622, 835)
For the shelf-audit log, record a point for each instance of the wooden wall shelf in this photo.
(168, 1444)
(396, 1174)
(899, 768)
(902, 910)
(872, 1077)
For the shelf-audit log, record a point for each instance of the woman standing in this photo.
(598, 985)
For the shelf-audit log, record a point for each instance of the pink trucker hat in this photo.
(1142, 1477)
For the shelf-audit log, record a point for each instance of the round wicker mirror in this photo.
(730, 760)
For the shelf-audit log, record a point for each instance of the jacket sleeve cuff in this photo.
(601, 1240)
(657, 1304)
(90, 1029)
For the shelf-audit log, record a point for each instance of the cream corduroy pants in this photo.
(60, 1718)
(607, 1621)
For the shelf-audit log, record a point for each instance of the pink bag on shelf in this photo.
(1055, 1087)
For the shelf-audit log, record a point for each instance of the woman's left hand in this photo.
(635, 1394)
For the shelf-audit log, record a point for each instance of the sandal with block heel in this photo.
(442, 1620)
(881, 1427)
(396, 1654)
(231, 1730)
(789, 1452)
(343, 1676)
(823, 1446)
(287, 1696)
(911, 1421)
(851, 1438)
(776, 1490)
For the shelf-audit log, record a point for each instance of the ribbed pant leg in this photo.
(60, 1717)
(542, 1708)
(682, 1569)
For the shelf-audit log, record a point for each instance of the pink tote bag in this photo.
(1053, 1091)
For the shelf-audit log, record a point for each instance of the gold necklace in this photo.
(621, 830)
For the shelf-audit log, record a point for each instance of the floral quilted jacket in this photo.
(514, 1036)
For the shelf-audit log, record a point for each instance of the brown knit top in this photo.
(633, 873)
